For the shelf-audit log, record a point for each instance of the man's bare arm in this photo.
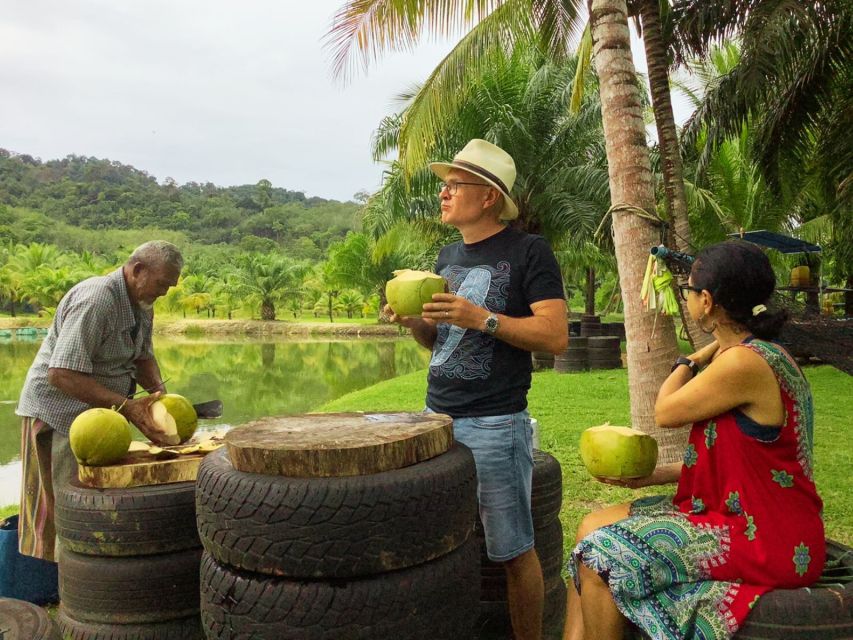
(546, 330)
(86, 389)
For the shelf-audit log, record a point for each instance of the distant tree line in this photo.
(98, 194)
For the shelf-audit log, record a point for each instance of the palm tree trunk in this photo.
(670, 155)
(267, 310)
(590, 291)
(651, 341)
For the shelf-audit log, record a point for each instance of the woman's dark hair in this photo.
(739, 277)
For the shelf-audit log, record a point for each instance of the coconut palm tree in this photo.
(264, 279)
(792, 80)
(657, 48)
(793, 87)
(651, 341)
(377, 25)
(351, 302)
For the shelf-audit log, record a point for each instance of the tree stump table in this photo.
(338, 444)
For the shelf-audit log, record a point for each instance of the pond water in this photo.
(252, 378)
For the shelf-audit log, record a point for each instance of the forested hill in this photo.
(95, 194)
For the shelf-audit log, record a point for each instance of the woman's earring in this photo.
(702, 326)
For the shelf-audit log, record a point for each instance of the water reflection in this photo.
(252, 378)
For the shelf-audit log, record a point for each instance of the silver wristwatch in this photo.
(492, 324)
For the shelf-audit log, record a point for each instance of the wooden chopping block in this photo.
(140, 468)
(338, 444)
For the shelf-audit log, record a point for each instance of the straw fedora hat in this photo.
(491, 163)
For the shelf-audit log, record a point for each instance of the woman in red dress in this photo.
(746, 516)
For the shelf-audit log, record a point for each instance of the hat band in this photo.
(486, 174)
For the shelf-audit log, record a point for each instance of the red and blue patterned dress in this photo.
(745, 519)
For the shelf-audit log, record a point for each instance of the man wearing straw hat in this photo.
(505, 300)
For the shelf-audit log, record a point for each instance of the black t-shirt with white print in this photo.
(472, 373)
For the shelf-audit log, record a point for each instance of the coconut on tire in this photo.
(127, 522)
(336, 527)
(433, 601)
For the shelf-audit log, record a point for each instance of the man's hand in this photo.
(410, 322)
(423, 330)
(448, 307)
(138, 411)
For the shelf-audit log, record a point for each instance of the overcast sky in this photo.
(196, 90)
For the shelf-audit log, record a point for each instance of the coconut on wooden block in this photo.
(337, 444)
(613, 452)
(409, 290)
(99, 437)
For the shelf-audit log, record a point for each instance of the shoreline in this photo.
(252, 328)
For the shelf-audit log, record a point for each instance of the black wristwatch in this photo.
(690, 364)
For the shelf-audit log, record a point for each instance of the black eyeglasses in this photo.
(453, 187)
(684, 289)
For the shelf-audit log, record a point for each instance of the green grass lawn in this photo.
(566, 404)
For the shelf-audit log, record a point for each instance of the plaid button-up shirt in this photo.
(96, 331)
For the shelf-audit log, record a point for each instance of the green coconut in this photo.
(615, 452)
(167, 425)
(99, 437)
(181, 409)
(409, 290)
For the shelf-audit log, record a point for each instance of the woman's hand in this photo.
(705, 355)
(663, 474)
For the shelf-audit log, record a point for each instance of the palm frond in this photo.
(364, 29)
(487, 45)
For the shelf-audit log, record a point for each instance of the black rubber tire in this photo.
(818, 613)
(605, 364)
(578, 343)
(603, 343)
(542, 355)
(821, 612)
(127, 522)
(541, 365)
(336, 527)
(181, 629)
(434, 601)
(547, 488)
(549, 549)
(569, 367)
(20, 620)
(494, 623)
(131, 590)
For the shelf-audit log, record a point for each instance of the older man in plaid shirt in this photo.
(96, 352)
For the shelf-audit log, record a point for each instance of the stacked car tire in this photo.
(603, 352)
(385, 555)
(542, 360)
(574, 358)
(590, 325)
(128, 563)
(547, 495)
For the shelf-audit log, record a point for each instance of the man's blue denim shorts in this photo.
(503, 452)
